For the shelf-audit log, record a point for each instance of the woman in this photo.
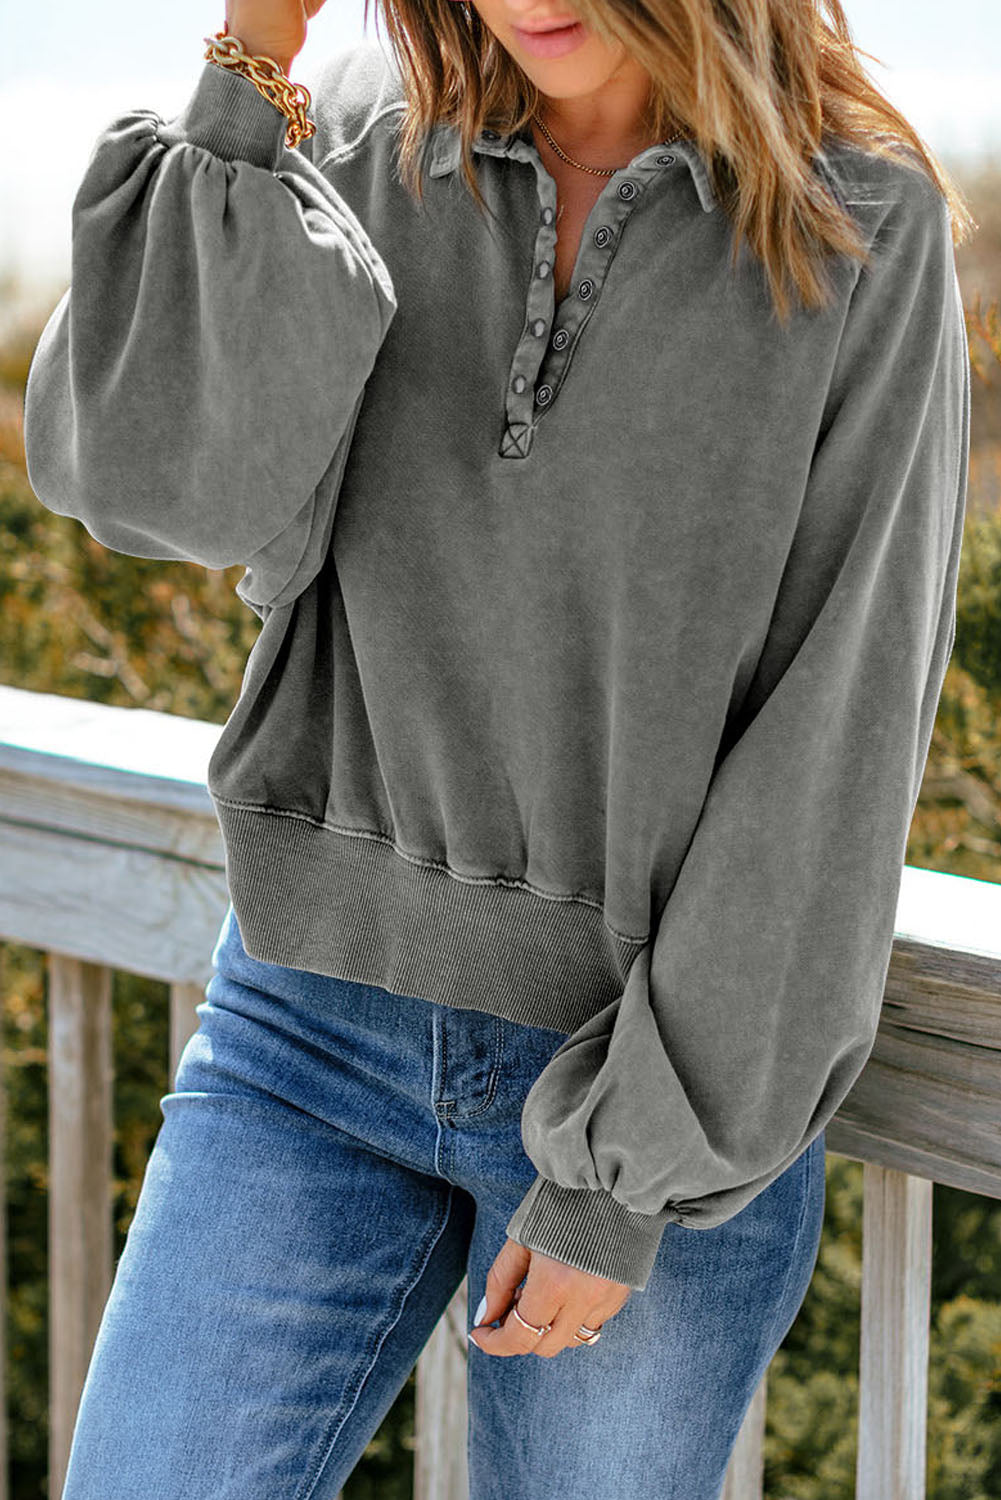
(589, 412)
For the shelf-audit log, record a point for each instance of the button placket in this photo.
(540, 365)
(594, 257)
(516, 440)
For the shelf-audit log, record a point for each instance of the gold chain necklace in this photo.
(598, 171)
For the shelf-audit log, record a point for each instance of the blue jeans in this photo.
(333, 1159)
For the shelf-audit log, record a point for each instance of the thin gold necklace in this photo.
(598, 171)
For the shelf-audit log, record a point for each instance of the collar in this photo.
(447, 151)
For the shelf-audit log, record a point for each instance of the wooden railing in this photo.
(111, 857)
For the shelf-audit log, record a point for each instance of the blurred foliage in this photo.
(79, 620)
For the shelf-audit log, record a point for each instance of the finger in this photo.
(512, 1337)
(503, 1278)
(577, 1315)
(568, 1327)
(542, 1290)
(573, 1316)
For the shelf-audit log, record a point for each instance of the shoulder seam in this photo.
(339, 152)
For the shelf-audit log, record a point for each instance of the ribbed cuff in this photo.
(230, 117)
(589, 1229)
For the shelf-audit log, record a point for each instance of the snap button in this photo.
(543, 268)
(538, 328)
(627, 189)
(547, 215)
(665, 161)
(602, 236)
(560, 338)
(519, 383)
(544, 394)
(585, 289)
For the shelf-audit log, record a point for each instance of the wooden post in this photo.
(183, 1021)
(896, 1301)
(80, 1226)
(440, 1467)
(745, 1474)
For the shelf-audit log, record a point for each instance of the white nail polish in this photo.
(480, 1310)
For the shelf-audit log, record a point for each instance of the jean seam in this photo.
(441, 1107)
(331, 1440)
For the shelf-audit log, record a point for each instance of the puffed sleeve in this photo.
(194, 392)
(752, 1009)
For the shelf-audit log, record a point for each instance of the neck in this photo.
(601, 129)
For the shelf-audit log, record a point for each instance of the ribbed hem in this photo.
(589, 1229)
(229, 116)
(349, 903)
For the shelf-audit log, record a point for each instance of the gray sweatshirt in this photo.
(601, 640)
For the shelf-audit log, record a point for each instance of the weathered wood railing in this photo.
(110, 857)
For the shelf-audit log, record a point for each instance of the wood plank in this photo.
(440, 1420)
(896, 1302)
(928, 1101)
(745, 1474)
(950, 991)
(949, 911)
(80, 1165)
(28, 802)
(127, 908)
(159, 759)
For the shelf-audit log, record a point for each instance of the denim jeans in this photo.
(332, 1160)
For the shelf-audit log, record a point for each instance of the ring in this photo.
(531, 1326)
(587, 1335)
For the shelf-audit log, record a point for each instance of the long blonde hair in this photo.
(753, 83)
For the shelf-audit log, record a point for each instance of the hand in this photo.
(271, 28)
(553, 1293)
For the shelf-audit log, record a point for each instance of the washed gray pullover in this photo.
(602, 639)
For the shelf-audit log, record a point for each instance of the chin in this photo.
(581, 73)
